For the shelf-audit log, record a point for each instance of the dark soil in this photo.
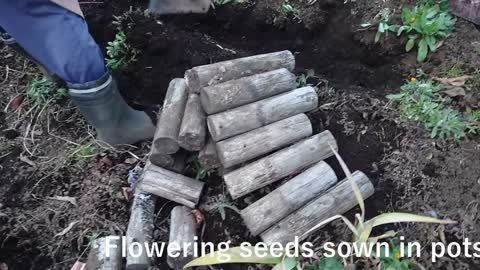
(353, 77)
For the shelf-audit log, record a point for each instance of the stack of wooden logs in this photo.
(245, 117)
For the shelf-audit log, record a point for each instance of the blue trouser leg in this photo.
(55, 37)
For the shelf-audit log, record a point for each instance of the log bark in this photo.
(171, 186)
(232, 94)
(140, 229)
(260, 141)
(280, 164)
(98, 259)
(168, 126)
(211, 74)
(289, 197)
(335, 201)
(251, 116)
(193, 130)
(182, 233)
(208, 156)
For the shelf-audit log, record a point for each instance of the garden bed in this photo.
(48, 152)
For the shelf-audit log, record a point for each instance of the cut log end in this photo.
(165, 161)
(192, 81)
(166, 146)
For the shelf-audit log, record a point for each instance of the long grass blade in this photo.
(237, 255)
(328, 220)
(389, 218)
(356, 189)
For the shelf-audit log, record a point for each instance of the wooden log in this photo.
(280, 164)
(208, 156)
(211, 74)
(182, 233)
(171, 186)
(251, 116)
(193, 130)
(232, 94)
(335, 201)
(289, 197)
(140, 229)
(168, 126)
(246, 146)
(175, 163)
(98, 259)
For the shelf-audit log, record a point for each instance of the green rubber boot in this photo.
(105, 109)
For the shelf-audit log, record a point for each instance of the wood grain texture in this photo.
(98, 259)
(263, 140)
(232, 94)
(182, 231)
(193, 131)
(171, 186)
(140, 229)
(215, 73)
(168, 126)
(335, 201)
(280, 164)
(254, 115)
(208, 156)
(289, 197)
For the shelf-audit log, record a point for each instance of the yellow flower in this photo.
(412, 19)
(413, 79)
(397, 255)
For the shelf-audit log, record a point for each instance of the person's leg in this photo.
(59, 40)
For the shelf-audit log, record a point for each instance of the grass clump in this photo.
(119, 53)
(40, 90)
(303, 79)
(420, 101)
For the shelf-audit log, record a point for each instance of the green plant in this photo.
(382, 21)
(302, 79)
(39, 90)
(92, 236)
(287, 9)
(392, 260)
(120, 53)
(200, 172)
(420, 101)
(425, 24)
(457, 70)
(220, 204)
(331, 263)
(84, 153)
(361, 230)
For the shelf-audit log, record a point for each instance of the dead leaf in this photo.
(67, 229)
(78, 266)
(16, 102)
(106, 161)
(199, 218)
(457, 81)
(127, 193)
(27, 160)
(71, 200)
(130, 161)
(3, 266)
(454, 92)
(440, 43)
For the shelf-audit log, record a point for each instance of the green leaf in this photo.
(432, 43)
(377, 37)
(235, 254)
(381, 27)
(410, 44)
(422, 50)
(388, 218)
(289, 263)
